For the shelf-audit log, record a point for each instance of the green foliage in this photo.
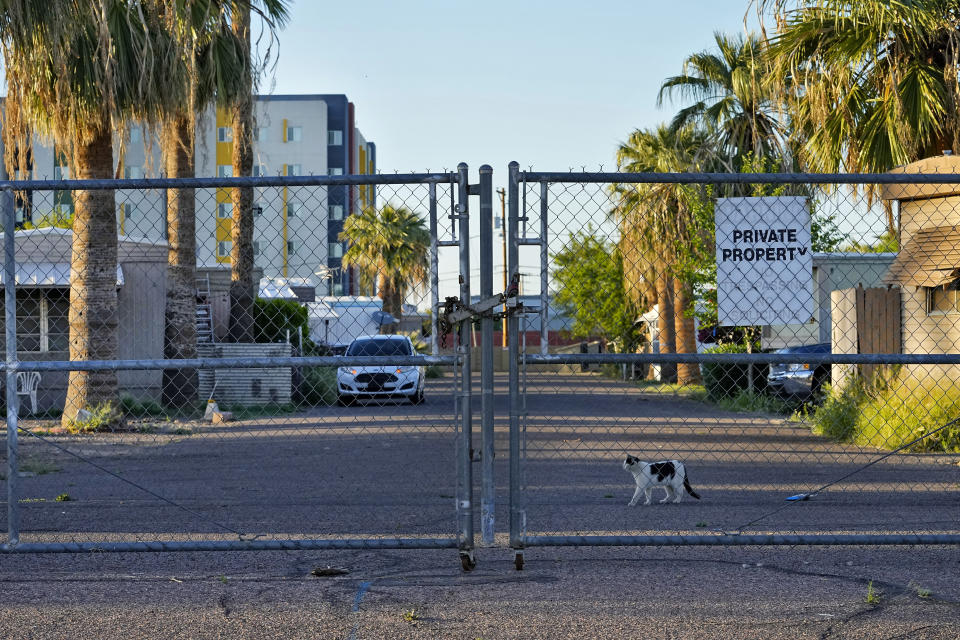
(589, 274)
(886, 243)
(748, 402)
(727, 381)
(273, 318)
(141, 408)
(892, 414)
(102, 417)
(63, 497)
(837, 417)
(318, 387)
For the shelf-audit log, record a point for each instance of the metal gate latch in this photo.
(455, 311)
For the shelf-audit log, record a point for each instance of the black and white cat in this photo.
(669, 474)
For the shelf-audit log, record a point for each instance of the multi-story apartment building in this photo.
(296, 229)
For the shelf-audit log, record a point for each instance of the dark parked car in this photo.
(799, 380)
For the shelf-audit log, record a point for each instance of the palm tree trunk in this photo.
(180, 329)
(665, 324)
(93, 280)
(687, 373)
(241, 256)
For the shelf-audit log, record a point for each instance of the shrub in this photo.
(317, 387)
(102, 417)
(727, 380)
(893, 415)
(273, 318)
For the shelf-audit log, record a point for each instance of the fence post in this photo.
(487, 485)
(434, 274)
(544, 267)
(463, 348)
(10, 316)
(513, 254)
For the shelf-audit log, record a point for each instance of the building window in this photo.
(136, 135)
(42, 320)
(61, 172)
(294, 170)
(335, 250)
(130, 211)
(256, 248)
(943, 300)
(259, 171)
(338, 289)
(294, 134)
(224, 134)
(224, 209)
(133, 173)
(291, 247)
(336, 212)
(263, 134)
(224, 170)
(257, 209)
(335, 171)
(335, 137)
(224, 248)
(292, 207)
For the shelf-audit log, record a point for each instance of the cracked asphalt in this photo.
(387, 471)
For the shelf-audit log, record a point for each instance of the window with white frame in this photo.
(61, 172)
(334, 137)
(130, 211)
(294, 170)
(335, 171)
(224, 170)
(42, 320)
(224, 248)
(256, 248)
(294, 134)
(291, 247)
(133, 172)
(224, 134)
(335, 250)
(259, 171)
(257, 209)
(224, 209)
(293, 207)
(336, 212)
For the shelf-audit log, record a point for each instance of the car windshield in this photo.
(379, 348)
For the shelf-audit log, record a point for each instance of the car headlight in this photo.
(798, 367)
(404, 370)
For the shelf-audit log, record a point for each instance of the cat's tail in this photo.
(686, 485)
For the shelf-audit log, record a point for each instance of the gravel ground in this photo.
(388, 471)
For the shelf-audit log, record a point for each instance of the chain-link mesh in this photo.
(714, 324)
(310, 400)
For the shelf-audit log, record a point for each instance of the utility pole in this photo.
(503, 235)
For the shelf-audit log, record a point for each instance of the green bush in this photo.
(724, 380)
(272, 319)
(103, 417)
(896, 414)
(318, 387)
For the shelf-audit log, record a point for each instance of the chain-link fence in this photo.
(183, 373)
(187, 373)
(787, 344)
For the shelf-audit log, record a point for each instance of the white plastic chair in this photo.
(27, 383)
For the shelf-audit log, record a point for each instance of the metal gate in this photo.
(871, 460)
(273, 452)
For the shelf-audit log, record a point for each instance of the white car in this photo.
(380, 382)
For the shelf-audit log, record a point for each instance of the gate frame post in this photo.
(487, 485)
(13, 404)
(465, 499)
(517, 515)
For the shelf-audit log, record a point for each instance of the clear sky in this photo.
(553, 85)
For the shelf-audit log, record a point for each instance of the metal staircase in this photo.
(204, 311)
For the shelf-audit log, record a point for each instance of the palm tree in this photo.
(655, 220)
(730, 99)
(76, 72)
(214, 60)
(871, 84)
(389, 247)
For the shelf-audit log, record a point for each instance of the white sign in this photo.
(764, 261)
